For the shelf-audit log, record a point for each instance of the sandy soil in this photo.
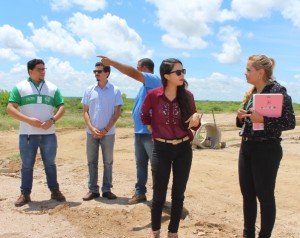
(212, 208)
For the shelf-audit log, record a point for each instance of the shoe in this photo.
(155, 234)
(109, 195)
(137, 198)
(57, 195)
(22, 200)
(172, 235)
(90, 196)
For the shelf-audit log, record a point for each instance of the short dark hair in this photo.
(106, 68)
(32, 63)
(148, 63)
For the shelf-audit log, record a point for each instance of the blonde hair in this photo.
(260, 62)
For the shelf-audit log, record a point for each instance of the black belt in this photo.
(252, 138)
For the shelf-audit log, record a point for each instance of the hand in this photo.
(194, 120)
(47, 124)
(251, 114)
(256, 117)
(241, 114)
(104, 60)
(96, 133)
(99, 133)
(35, 122)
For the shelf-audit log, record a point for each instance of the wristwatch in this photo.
(53, 120)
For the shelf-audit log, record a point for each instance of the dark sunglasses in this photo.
(98, 71)
(179, 72)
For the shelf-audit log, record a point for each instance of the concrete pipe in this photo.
(208, 136)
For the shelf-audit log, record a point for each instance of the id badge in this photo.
(39, 99)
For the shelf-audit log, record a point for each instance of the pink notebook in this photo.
(269, 105)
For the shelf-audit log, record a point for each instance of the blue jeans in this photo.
(167, 157)
(28, 145)
(107, 147)
(143, 153)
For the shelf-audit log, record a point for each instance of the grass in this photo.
(73, 117)
(13, 157)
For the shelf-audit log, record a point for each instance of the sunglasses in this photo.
(98, 71)
(40, 69)
(179, 72)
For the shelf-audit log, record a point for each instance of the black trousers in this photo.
(179, 159)
(258, 166)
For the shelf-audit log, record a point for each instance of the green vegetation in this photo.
(14, 157)
(3, 101)
(73, 118)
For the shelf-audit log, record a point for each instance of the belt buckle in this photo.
(245, 138)
(175, 142)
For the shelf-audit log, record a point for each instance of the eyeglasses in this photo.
(179, 72)
(99, 71)
(40, 69)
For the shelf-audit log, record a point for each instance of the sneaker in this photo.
(137, 198)
(57, 195)
(22, 200)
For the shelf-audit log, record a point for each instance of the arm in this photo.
(145, 112)
(123, 68)
(195, 119)
(95, 131)
(114, 118)
(59, 113)
(12, 110)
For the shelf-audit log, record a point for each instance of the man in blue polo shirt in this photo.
(142, 137)
(102, 107)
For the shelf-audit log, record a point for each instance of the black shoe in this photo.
(90, 196)
(57, 195)
(109, 195)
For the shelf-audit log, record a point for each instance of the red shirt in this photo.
(164, 115)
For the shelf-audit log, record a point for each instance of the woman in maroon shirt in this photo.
(170, 112)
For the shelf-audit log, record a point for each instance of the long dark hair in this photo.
(183, 98)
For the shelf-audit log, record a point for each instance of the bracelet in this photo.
(105, 129)
(53, 120)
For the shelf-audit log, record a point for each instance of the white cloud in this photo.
(218, 86)
(111, 35)
(231, 49)
(9, 79)
(53, 36)
(256, 9)
(183, 42)
(70, 81)
(8, 54)
(291, 11)
(14, 44)
(87, 5)
(186, 54)
(187, 22)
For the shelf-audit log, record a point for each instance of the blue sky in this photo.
(212, 38)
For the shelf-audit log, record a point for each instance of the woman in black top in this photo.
(261, 151)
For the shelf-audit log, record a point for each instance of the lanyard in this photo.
(249, 103)
(39, 90)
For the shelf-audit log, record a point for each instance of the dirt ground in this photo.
(212, 207)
